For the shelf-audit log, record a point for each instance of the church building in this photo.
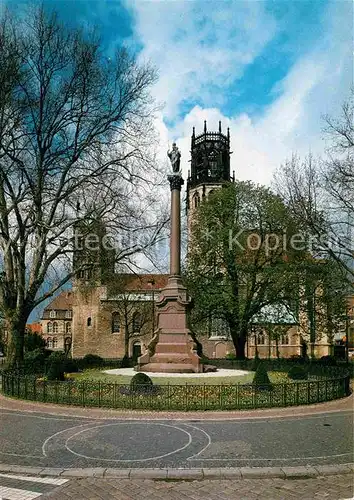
(113, 315)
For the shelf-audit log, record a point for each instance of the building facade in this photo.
(113, 315)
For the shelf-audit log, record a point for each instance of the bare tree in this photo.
(75, 132)
(320, 192)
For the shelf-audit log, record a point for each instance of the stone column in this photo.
(176, 182)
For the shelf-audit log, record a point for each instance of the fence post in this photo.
(187, 394)
(34, 390)
(99, 394)
(26, 388)
(44, 390)
(284, 395)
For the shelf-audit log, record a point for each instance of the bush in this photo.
(256, 362)
(126, 363)
(34, 362)
(33, 342)
(56, 366)
(261, 379)
(231, 355)
(141, 383)
(297, 373)
(92, 361)
(328, 361)
(71, 366)
(297, 358)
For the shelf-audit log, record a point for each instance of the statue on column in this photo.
(175, 158)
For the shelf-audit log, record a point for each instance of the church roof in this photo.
(138, 282)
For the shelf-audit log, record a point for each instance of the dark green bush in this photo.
(297, 373)
(33, 341)
(261, 379)
(34, 362)
(56, 366)
(71, 366)
(231, 355)
(297, 358)
(92, 361)
(142, 384)
(126, 363)
(328, 360)
(140, 378)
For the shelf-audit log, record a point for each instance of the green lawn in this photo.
(97, 374)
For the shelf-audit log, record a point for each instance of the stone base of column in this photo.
(171, 350)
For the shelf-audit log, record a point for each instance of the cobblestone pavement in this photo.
(331, 488)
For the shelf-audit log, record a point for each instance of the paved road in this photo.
(43, 440)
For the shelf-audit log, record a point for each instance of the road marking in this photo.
(20, 455)
(57, 434)
(128, 460)
(268, 459)
(205, 447)
(36, 479)
(16, 494)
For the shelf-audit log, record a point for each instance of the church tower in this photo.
(210, 167)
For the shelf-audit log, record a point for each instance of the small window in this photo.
(68, 328)
(68, 314)
(55, 327)
(261, 339)
(49, 343)
(196, 200)
(115, 322)
(285, 339)
(89, 321)
(137, 322)
(53, 314)
(49, 327)
(55, 343)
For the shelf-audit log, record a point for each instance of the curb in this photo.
(301, 472)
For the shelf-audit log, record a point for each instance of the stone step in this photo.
(173, 357)
(169, 368)
(173, 348)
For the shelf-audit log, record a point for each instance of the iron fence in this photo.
(175, 397)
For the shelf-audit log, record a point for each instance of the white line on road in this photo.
(16, 494)
(36, 479)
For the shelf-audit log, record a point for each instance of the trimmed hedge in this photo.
(297, 373)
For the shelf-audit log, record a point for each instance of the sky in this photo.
(269, 70)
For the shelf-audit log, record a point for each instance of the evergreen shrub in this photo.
(297, 373)
(261, 379)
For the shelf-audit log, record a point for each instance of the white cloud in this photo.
(199, 50)
(316, 85)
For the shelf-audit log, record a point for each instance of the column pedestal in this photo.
(172, 349)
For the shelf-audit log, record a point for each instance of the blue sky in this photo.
(268, 69)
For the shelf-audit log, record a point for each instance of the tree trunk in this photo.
(16, 326)
(239, 340)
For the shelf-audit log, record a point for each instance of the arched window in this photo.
(285, 339)
(261, 339)
(53, 314)
(115, 322)
(55, 327)
(49, 328)
(89, 321)
(196, 200)
(67, 344)
(68, 328)
(49, 342)
(55, 343)
(137, 322)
